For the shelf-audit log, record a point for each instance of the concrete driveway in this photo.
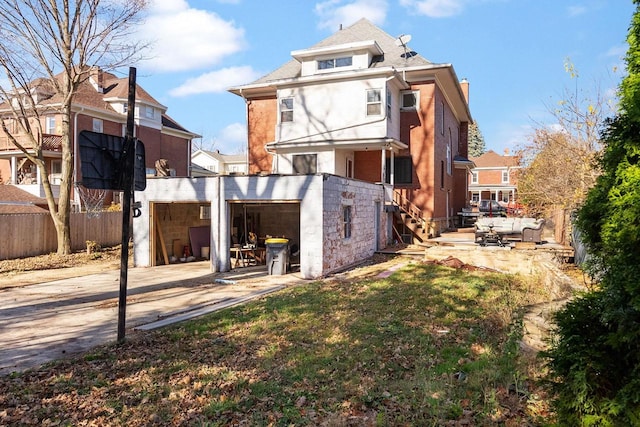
(48, 321)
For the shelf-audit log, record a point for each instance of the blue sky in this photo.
(512, 52)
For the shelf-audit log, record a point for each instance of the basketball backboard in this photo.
(102, 163)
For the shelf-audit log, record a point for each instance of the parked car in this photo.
(492, 207)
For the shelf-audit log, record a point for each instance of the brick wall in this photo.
(262, 116)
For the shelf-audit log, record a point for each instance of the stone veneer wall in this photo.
(363, 198)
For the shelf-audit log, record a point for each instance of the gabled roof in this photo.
(396, 58)
(491, 159)
(394, 55)
(113, 89)
(224, 158)
(16, 201)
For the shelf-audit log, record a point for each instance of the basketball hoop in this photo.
(92, 200)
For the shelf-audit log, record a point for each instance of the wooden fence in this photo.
(23, 235)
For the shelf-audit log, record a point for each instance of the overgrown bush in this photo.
(595, 359)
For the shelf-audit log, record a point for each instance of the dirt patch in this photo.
(49, 267)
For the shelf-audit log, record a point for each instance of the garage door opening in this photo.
(252, 223)
(179, 232)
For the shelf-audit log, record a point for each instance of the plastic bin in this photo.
(277, 256)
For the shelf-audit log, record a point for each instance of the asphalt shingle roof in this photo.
(362, 30)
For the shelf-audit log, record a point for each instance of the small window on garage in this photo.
(346, 221)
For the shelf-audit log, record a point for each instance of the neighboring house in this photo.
(362, 105)
(16, 201)
(349, 138)
(494, 177)
(100, 105)
(220, 164)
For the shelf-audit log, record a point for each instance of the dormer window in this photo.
(327, 64)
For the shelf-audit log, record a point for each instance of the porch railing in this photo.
(49, 142)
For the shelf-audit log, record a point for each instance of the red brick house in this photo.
(100, 105)
(494, 177)
(363, 105)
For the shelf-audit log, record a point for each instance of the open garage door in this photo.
(179, 232)
(254, 222)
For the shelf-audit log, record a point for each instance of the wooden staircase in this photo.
(411, 216)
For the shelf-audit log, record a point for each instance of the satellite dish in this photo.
(403, 40)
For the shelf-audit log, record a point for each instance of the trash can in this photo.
(277, 256)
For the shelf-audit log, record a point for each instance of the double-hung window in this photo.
(374, 102)
(505, 177)
(474, 177)
(286, 109)
(50, 125)
(97, 125)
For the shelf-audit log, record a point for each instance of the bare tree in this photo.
(46, 50)
(558, 162)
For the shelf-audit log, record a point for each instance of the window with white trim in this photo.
(50, 124)
(328, 64)
(97, 125)
(286, 109)
(505, 177)
(374, 102)
(149, 112)
(409, 100)
(474, 177)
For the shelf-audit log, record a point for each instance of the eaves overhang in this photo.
(270, 88)
(348, 144)
(446, 78)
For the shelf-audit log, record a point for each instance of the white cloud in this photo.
(434, 8)
(233, 134)
(334, 13)
(216, 81)
(185, 38)
(576, 10)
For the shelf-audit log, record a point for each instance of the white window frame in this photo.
(149, 112)
(330, 64)
(415, 96)
(374, 102)
(97, 125)
(286, 110)
(55, 176)
(505, 176)
(50, 125)
(474, 177)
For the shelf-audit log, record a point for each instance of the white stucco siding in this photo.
(333, 111)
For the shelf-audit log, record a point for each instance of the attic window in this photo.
(327, 64)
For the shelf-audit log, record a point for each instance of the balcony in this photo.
(49, 143)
